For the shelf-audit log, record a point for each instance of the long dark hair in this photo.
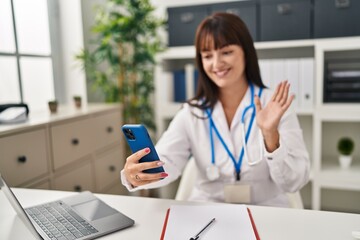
(217, 31)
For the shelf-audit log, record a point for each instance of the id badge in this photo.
(237, 193)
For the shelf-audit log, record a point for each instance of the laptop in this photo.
(82, 216)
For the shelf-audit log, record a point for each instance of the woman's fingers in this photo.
(134, 170)
(135, 157)
(276, 92)
(257, 104)
(149, 165)
(286, 93)
(280, 93)
(288, 102)
(145, 177)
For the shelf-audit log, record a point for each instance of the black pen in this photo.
(198, 235)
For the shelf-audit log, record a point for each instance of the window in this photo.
(26, 66)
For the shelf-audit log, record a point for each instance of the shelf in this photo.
(188, 52)
(176, 53)
(332, 176)
(285, 44)
(322, 123)
(304, 112)
(339, 113)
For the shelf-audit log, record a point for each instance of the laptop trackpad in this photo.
(94, 209)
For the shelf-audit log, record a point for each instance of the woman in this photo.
(231, 107)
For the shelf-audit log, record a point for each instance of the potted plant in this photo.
(53, 105)
(345, 147)
(77, 101)
(120, 61)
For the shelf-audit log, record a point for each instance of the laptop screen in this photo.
(17, 207)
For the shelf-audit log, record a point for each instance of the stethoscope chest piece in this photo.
(212, 173)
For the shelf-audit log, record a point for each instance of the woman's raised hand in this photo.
(134, 170)
(268, 118)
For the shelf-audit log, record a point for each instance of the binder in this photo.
(292, 75)
(277, 72)
(307, 83)
(192, 218)
(265, 70)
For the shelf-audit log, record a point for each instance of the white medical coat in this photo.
(284, 170)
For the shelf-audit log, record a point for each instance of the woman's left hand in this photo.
(268, 118)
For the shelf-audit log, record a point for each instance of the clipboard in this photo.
(166, 223)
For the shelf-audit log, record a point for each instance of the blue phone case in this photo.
(138, 138)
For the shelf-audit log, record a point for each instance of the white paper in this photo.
(232, 222)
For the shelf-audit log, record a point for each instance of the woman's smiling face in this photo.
(225, 66)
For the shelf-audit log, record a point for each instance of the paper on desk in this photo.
(232, 222)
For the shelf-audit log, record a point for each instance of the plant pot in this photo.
(345, 161)
(77, 103)
(53, 107)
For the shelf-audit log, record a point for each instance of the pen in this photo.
(198, 235)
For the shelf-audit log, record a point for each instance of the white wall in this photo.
(71, 42)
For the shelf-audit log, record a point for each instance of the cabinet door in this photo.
(23, 157)
(285, 20)
(72, 141)
(107, 129)
(107, 168)
(79, 179)
(182, 23)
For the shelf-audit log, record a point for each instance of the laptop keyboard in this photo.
(60, 222)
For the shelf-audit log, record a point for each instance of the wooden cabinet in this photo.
(72, 140)
(24, 156)
(78, 179)
(107, 168)
(73, 150)
(107, 130)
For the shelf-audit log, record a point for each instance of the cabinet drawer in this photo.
(246, 10)
(108, 129)
(285, 19)
(182, 24)
(336, 18)
(107, 168)
(77, 180)
(23, 156)
(72, 141)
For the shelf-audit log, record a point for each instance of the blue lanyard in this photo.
(237, 164)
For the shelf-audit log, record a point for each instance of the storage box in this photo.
(336, 18)
(183, 22)
(246, 10)
(285, 20)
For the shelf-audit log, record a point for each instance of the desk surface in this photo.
(149, 213)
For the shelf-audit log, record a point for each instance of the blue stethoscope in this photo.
(212, 171)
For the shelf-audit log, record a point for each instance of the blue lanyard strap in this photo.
(237, 164)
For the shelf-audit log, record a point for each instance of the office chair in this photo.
(188, 179)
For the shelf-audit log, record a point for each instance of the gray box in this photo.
(336, 18)
(246, 10)
(183, 22)
(285, 19)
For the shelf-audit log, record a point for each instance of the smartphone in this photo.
(138, 138)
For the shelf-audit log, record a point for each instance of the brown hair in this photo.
(217, 31)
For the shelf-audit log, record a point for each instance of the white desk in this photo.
(149, 213)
